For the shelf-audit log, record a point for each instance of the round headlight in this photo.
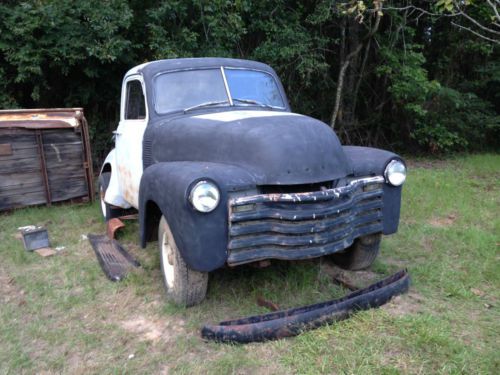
(204, 196)
(395, 173)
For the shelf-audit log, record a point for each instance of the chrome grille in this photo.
(303, 225)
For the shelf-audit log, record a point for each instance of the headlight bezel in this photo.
(390, 173)
(193, 197)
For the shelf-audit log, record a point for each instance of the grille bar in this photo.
(303, 212)
(321, 238)
(304, 252)
(303, 226)
(315, 196)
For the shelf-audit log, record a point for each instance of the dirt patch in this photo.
(9, 291)
(349, 279)
(427, 243)
(154, 329)
(395, 357)
(406, 304)
(396, 262)
(442, 222)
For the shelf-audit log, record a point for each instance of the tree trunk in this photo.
(355, 48)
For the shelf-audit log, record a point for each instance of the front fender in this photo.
(367, 161)
(200, 237)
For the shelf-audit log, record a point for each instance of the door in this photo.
(128, 138)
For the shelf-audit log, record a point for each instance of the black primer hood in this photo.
(275, 147)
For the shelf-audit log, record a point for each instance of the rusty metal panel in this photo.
(43, 118)
(45, 157)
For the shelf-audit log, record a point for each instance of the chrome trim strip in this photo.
(226, 86)
(308, 196)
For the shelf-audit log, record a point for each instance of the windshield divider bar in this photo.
(226, 86)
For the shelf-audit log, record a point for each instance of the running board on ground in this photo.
(115, 261)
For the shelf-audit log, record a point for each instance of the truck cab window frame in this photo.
(135, 101)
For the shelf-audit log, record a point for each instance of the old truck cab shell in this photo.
(222, 129)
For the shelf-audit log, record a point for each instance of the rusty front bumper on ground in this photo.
(303, 225)
(292, 322)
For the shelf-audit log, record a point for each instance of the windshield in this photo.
(190, 89)
(253, 86)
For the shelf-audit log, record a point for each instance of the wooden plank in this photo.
(22, 200)
(60, 196)
(23, 165)
(21, 146)
(19, 180)
(16, 136)
(22, 181)
(24, 160)
(18, 144)
(56, 160)
(58, 175)
(60, 136)
(15, 131)
(74, 189)
(59, 182)
(68, 147)
(26, 189)
(20, 153)
(23, 138)
(63, 168)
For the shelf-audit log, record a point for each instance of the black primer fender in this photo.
(200, 237)
(367, 161)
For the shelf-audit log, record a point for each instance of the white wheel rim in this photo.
(103, 204)
(168, 269)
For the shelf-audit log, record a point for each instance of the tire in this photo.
(183, 286)
(103, 186)
(361, 254)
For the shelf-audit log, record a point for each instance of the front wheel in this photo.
(184, 286)
(361, 254)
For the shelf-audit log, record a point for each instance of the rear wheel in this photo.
(184, 286)
(361, 254)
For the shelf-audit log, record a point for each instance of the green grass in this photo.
(61, 315)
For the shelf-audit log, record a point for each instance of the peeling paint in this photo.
(56, 150)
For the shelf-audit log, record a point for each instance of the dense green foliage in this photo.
(418, 84)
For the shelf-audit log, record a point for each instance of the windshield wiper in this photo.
(260, 104)
(206, 104)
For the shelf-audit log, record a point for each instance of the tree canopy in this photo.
(416, 76)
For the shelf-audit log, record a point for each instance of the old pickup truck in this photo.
(223, 173)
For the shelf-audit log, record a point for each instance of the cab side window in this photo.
(135, 108)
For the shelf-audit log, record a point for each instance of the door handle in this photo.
(116, 132)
